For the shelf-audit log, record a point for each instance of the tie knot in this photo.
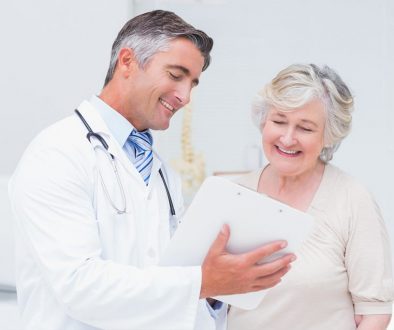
(142, 141)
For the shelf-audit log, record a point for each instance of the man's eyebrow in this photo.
(184, 70)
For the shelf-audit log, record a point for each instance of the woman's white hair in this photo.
(298, 85)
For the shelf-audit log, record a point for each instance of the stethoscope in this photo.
(123, 208)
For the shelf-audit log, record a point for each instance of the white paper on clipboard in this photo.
(254, 220)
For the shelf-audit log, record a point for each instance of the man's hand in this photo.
(224, 273)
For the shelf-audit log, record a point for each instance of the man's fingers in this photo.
(269, 281)
(275, 266)
(221, 240)
(264, 251)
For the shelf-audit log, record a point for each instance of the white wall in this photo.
(54, 53)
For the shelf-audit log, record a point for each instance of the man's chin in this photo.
(161, 127)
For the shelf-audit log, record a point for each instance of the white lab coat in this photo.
(80, 265)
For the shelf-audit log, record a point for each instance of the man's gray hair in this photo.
(298, 85)
(152, 32)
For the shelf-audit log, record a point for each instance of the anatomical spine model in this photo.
(191, 165)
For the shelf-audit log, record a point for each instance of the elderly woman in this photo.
(342, 277)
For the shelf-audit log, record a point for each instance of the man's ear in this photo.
(127, 62)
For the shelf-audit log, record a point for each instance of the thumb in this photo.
(219, 244)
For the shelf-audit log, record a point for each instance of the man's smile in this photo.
(167, 105)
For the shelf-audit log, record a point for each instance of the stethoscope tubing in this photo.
(91, 134)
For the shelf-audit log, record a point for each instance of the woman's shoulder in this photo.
(350, 195)
(249, 180)
(344, 182)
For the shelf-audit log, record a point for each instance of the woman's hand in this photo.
(372, 322)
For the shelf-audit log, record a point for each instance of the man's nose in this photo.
(182, 94)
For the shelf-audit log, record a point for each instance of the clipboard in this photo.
(254, 220)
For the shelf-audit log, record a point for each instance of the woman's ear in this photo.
(327, 144)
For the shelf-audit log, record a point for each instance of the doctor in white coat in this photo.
(91, 221)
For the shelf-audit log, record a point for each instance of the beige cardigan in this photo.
(343, 268)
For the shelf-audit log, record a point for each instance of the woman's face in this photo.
(292, 141)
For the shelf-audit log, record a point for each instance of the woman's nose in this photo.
(288, 138)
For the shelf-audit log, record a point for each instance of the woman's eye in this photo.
(278, 122)
(306, 129)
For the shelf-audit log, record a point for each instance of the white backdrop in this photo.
(54, 53)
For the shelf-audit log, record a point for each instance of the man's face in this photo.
(163, 86)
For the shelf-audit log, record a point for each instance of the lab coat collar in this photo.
(98, 125)
(118, 125)
(93, 118)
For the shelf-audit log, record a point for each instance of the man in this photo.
(94, 211)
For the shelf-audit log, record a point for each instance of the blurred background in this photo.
(55, 53)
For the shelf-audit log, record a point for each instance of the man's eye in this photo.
(174, 76)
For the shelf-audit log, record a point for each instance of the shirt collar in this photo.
(118, 125)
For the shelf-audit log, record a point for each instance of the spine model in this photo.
(191, 165)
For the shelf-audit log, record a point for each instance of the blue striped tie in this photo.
(141, 142)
